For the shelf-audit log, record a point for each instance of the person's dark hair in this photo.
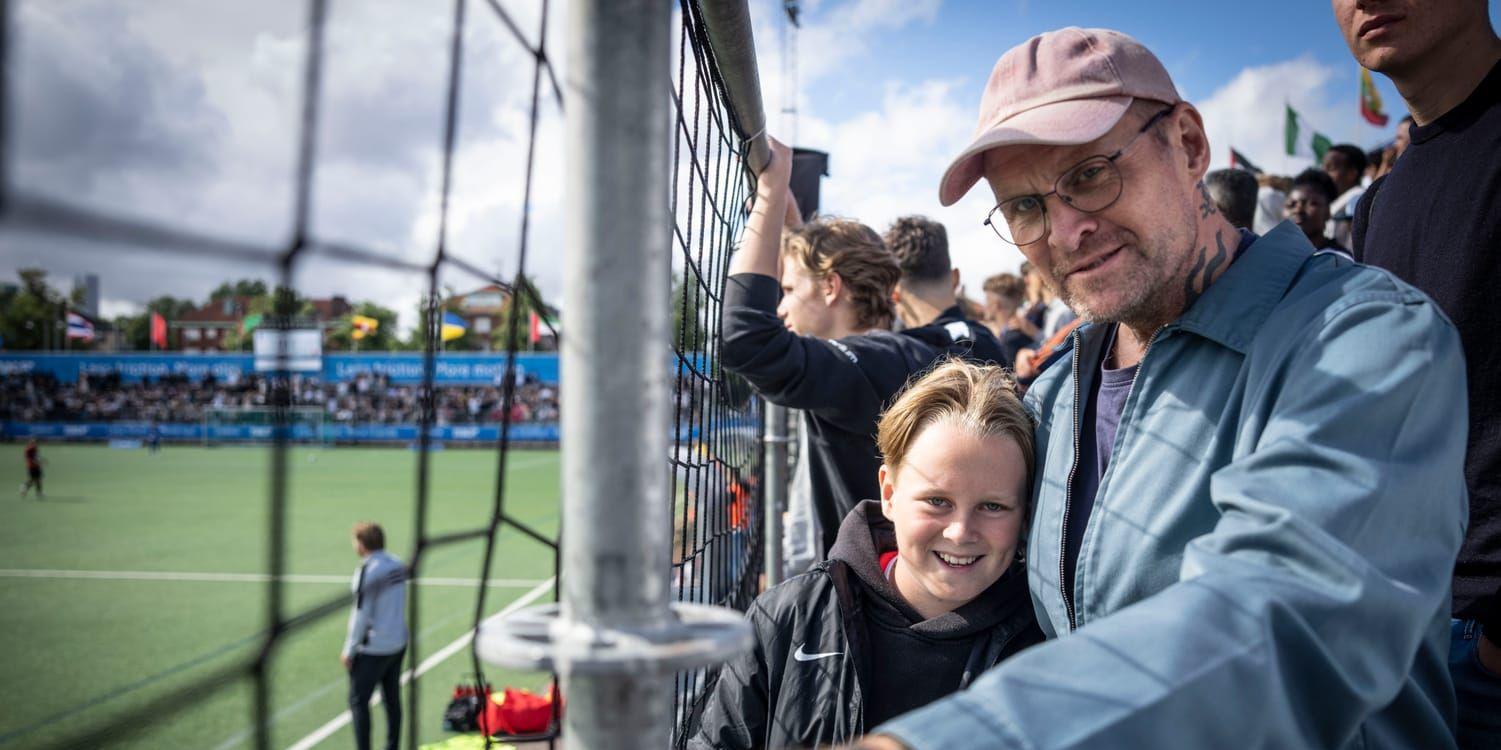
(1234, 192)
(1373, 158)
(1354, 157)
(1317, 179)
(921, 247)
(370, 535)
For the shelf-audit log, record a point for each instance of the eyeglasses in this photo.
(1091, 186)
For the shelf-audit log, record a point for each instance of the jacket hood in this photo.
(866, 533)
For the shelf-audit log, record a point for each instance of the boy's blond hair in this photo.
(980, 399)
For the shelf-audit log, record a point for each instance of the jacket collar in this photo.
(1234, 308)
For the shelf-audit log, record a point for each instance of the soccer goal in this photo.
(256, 424)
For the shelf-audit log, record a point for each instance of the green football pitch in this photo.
(140, 574)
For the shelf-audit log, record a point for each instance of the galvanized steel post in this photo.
(616, 638)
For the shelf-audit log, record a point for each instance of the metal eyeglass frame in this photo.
(1042, 199)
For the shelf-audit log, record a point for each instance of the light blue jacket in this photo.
(1267, 563)
(378, 623)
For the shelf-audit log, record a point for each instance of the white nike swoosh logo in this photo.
(801, 655)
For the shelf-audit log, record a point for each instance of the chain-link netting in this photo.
(716, 458)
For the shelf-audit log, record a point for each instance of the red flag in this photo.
(1370, 100)
(535, 334)
(158, 331)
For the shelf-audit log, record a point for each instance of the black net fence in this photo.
(716, 459)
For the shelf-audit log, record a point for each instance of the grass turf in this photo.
(84, 650)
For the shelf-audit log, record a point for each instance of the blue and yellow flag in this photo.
(453, 327)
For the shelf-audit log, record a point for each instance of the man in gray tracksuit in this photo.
(377, 638)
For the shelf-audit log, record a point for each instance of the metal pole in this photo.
(617, 514)
(776, 489)
(729, 26)
(616, 637)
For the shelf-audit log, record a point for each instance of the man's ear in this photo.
(954, 280)
(833, 286)
(1195, 141)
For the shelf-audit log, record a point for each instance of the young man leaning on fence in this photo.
(1250, 487)
(807, 322)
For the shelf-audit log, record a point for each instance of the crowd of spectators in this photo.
(366, 399)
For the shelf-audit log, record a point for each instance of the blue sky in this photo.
(891, 88)
(182, 112)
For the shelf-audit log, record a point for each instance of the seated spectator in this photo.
(1307, 205)
(923, 592)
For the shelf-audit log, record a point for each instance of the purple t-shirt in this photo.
(1107, 401)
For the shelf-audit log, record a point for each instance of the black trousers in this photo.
(365, 672)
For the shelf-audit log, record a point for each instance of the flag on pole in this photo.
(1370, 101)
(1290, 132)
(1239, 161)
(1318, 144)
(158, 331)
(453, 327)
(362, 326)
(1321, 146)
(80, 327)
(535, 333)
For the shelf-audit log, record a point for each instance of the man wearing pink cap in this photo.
(1250, 492)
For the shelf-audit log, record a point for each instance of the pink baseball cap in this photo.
(1058, 88)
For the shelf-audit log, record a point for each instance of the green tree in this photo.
(241, 288)
(514, 331)
(31, 315)
(385, 338)
(136, 329)
(280, 301)
(690, 326)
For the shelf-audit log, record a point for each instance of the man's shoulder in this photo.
(1330, 283)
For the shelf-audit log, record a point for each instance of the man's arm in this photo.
(1301, 613)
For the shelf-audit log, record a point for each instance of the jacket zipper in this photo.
(1068, 490)
(1068, 493)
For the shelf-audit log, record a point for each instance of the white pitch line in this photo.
(159, 575)
(338, 722)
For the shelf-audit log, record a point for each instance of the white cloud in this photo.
(187, 115)
(1248, 113)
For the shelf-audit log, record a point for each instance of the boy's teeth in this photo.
(955, 560)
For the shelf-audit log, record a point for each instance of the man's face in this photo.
(1392, 36)
(1110, 265)
(1339, 169)
(1404, 136)
(1309, 209)
(957, 502)
(998, 308)
(805, 307)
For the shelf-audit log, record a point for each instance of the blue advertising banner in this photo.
(331, 433)
(406, 369)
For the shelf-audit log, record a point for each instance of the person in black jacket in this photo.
(820, 341)
(928, 292)
(920, 595)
